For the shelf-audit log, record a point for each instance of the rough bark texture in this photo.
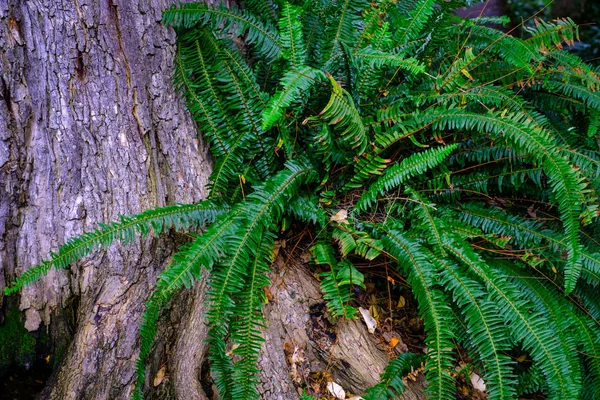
(91, 128)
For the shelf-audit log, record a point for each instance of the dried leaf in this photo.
(401, 302)
(522, 358)
(376, 312)
(369, 320)
(233, 347)
(268, 294)
(336, 390)
(394, 342)
(341, 216)
(477, 382)
(160, 375)
(296, 359)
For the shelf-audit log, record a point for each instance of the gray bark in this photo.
(91, 128)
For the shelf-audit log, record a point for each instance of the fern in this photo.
(391, 385)
(336, 283)
(184, 216)
(439, 324)
(401, 172)
(293, 83)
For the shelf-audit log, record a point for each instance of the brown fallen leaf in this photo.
(401, 302)
(160, 375)
(341, 217)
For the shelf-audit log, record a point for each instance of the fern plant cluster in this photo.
(467, 156)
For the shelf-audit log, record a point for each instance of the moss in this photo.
(18, 346)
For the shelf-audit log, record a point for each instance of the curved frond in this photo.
(156, 221)
(433, 308)
(404, 170)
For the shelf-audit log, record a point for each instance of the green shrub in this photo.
(467, 156)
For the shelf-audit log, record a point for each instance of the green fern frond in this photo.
(531, 329)
(433, 308)
(562, 317)
(544, 34)
(306, 209)
(485, 328)
(401, 172)
(185, 268)
(156, 221)
(391, 385)
(341, 112)
(345, 240)
(292, 40)
(412, 26)
(247, 320)
(257, 213)
(528, 235)
(566, 181)
(343, 30)
(293, 83)
(336, 284)
(235, 21)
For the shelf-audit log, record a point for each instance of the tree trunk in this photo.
(91, 128)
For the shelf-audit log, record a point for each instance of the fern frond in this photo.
(544, 34)
(528, 235)
(378, 59)
(391, 385)
(548, 301)
(412, 26)
(293, 83)
(306, 209)
(485, 328)
(233, 20)
(341, 112)
(531, 329)
(247, 320)
(566, 181)
(185, 268)
(292, 40)
(337, 283)
(257, 213)
(155, 221)
(401, 172)
(347, 18)
(433, 308)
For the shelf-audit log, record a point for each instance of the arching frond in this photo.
(433, 307)
(401, 172)
(156, 221)
(238, 22)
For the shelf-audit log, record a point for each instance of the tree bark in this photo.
(91, 128)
